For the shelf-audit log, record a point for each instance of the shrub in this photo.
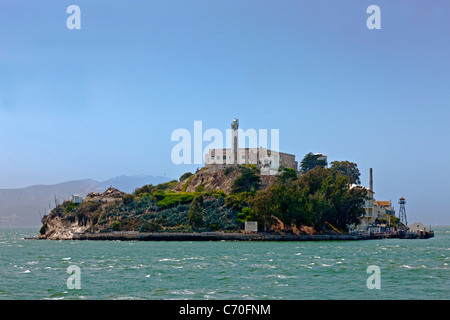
(185, 185)
(128, 198)
(214, 226)
(199, 188)
(185, 176)
(166, 185)
(150, 226)
(43, 229)
(228, 170)
(144, 190)
(219, 193)
(70, 207)
(233, 202)
(171, 199)
(115, 226)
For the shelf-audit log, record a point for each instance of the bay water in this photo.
(319, 270)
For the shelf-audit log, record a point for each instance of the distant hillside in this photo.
(25, 206)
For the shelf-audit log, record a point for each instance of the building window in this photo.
(212, 157)
(243, 156)
(224, 157)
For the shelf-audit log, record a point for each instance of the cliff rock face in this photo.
(60, 229)
(63, 222)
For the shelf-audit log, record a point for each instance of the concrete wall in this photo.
(256, 156)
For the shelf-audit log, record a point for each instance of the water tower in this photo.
(402, 212)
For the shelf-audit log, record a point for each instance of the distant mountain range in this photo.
(26, 206)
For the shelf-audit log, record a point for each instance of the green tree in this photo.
(195, 214)
(316, 198)
(350, 169)
(248, 181)
(247, 214)
(288, 174)
(311, 161)
(265, 206)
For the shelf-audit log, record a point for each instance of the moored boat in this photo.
(415, 235)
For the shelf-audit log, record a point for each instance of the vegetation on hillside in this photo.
(319, 198)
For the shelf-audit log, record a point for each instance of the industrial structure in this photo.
(377, 214)
(402, 211)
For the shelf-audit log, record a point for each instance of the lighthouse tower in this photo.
(234, 140)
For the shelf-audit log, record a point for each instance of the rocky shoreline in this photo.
(213, 236)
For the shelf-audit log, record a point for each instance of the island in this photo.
(214, 203)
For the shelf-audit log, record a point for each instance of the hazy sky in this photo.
(103, 101)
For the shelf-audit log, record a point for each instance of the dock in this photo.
(220, 236)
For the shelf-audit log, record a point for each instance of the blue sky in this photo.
(103, 101)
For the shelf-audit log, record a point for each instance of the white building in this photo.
(262, 157)
(382, 208)
(76, 198)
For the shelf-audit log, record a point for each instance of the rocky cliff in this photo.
(69, 218)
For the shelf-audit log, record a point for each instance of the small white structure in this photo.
(417, 227)
(76, 198)
(251, 226)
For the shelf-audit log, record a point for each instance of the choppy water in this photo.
(409, 269)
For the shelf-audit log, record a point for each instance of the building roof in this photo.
(383, 203)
